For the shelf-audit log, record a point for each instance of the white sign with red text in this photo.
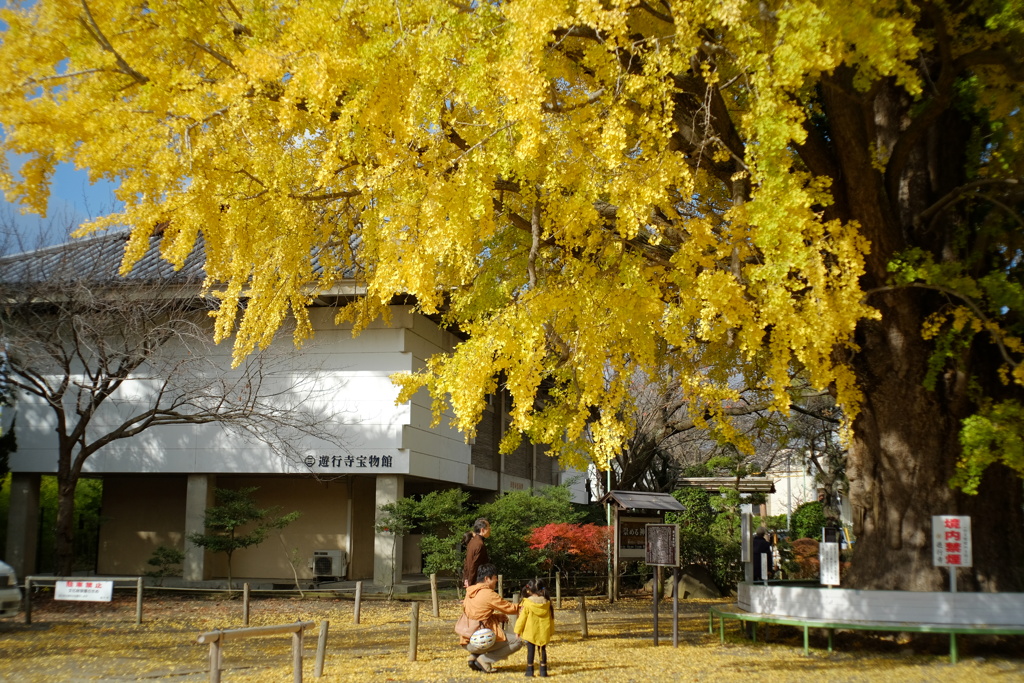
(89, 591)
(951, 541)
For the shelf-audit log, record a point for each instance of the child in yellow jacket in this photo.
(536, 624)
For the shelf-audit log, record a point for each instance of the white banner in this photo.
(89, 591)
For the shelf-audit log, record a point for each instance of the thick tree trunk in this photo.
(906, 439)
(64, 546)
(904, 452)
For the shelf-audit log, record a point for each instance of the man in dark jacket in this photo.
(762, 548)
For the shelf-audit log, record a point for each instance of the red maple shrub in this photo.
(805, 552)
(573, 548)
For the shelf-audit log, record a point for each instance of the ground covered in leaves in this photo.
(75, 641)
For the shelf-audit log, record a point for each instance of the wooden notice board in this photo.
(662, 545)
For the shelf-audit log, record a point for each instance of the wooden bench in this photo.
(734, 612)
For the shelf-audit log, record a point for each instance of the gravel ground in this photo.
(73, 641)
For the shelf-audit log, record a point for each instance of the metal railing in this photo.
(54, 580)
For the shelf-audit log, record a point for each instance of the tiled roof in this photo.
(642, 500)
(98, 258)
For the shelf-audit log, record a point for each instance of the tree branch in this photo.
(986, 323)
(90, 25)
(932, 212)
(213, 53)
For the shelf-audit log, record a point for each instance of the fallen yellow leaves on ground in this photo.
(70, 642)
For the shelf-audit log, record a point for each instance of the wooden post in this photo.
(615, 558)
(215, 661)
(583, 616)
(656, 591)
(28, 599)
(558, 590)
(359, 599)
(245, 604)
(138, 602)
(512, 618)
(296, 656)
(414, 630)
(501, 592)
(433, 596)
(216, 640)
(675, 606)
(321, 649)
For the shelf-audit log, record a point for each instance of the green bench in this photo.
(734, 612)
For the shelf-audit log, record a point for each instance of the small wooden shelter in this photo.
(634, 510)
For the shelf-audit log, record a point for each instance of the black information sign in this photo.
(663, 545)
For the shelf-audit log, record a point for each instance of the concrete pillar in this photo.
(387, 548)
(349, 547)
(198, 497)
(23, 523)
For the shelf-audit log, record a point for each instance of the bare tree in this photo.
(814, 430)
(112, 357)
(671, 433)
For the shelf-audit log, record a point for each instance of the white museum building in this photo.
(158, 484)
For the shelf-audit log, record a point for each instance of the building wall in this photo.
(322, 526)
(488, 434)
(363, 503)
(351, 387)
(793, 487)
(141, 513)
(547, 468)
(519, 463)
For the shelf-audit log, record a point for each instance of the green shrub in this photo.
(709, 533)
(808, 519)
(166, 562)
(513, 515)
(442, 517)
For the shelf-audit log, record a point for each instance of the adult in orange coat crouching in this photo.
(483, 604)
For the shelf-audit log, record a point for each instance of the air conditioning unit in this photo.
(332, 563)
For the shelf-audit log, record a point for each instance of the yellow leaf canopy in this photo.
(587, 189)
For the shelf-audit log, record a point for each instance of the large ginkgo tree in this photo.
(728, 194)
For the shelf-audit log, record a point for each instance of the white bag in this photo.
(481, 641)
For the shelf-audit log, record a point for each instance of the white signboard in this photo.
(746, 552)
(828, 556)
(89, 591)
(951, 541)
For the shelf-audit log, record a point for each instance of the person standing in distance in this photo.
(762, 548)
(476, 551)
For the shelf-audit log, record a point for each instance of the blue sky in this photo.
(73, 200)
